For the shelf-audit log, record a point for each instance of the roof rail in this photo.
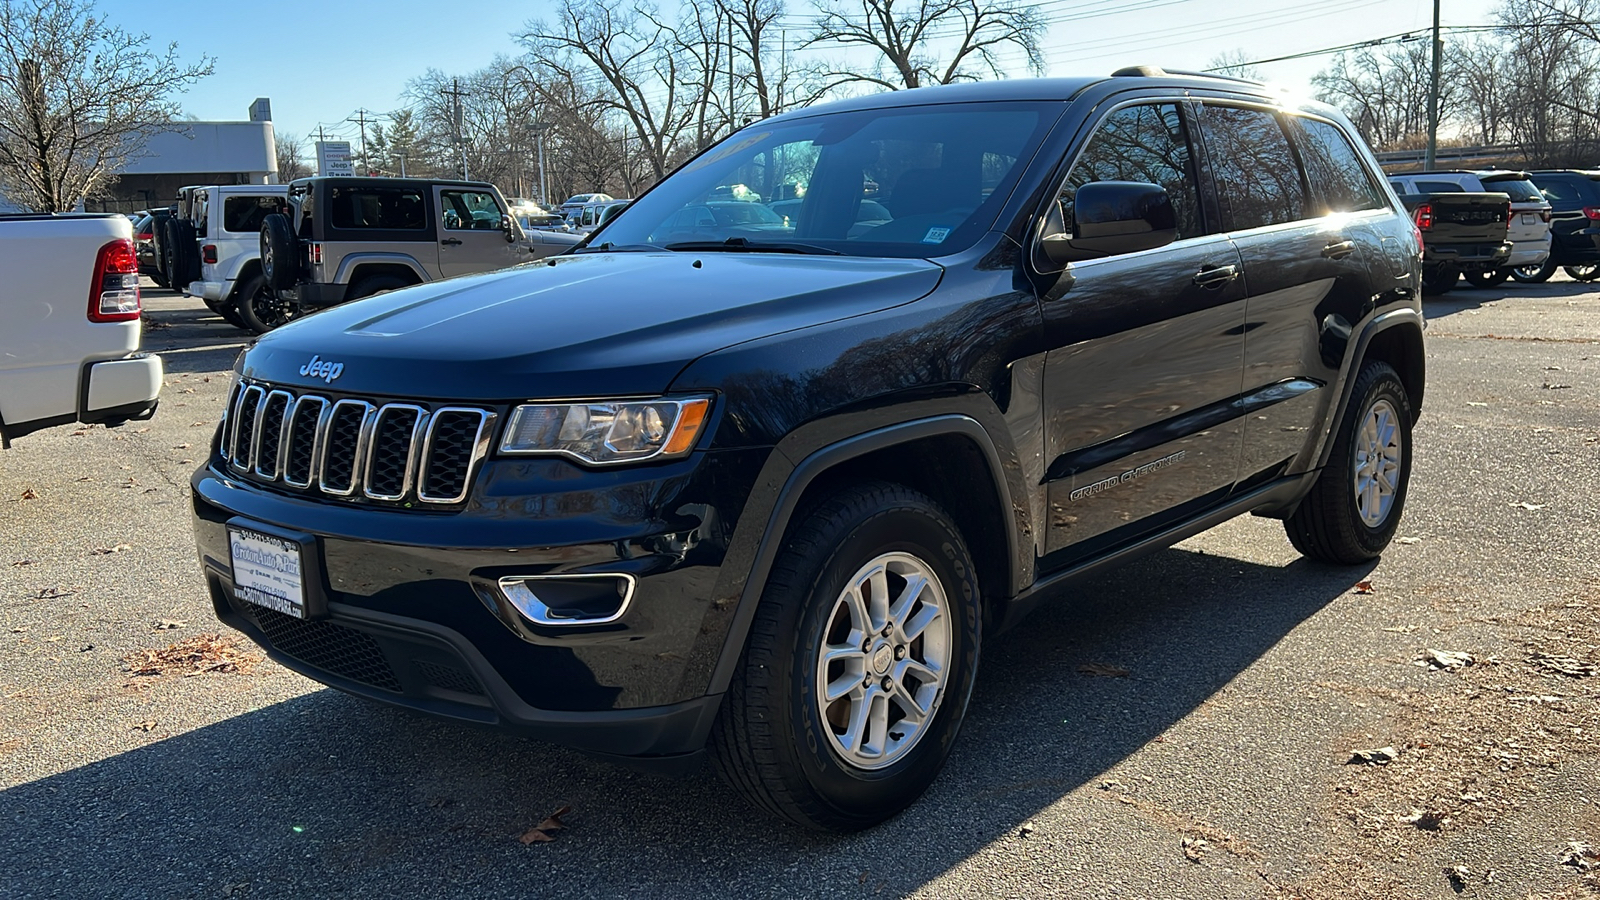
(1159, 72)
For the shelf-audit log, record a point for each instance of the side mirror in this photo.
(509, 226)
(1109, 218)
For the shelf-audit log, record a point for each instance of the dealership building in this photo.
(193, 153)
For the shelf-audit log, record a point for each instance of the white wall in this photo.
(246, 147)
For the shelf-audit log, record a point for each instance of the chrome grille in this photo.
(355, 448)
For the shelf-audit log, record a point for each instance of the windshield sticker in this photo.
(936, 235)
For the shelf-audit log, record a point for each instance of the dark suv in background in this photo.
(1574, 196)
(765, 489)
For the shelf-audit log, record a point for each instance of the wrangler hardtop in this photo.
(343, 238)
(758, 487)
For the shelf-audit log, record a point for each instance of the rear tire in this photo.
(1487, 278)
(1582, 273)
(874, 584)
(1534, 274)
(1440, 280)
(259, 308)
(1354, 507)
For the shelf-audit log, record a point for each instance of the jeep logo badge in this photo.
(322, 368)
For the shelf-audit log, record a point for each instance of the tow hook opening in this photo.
(587, 599)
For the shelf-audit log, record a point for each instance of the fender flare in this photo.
(1398, 318)
(807, 471)
(350, 263)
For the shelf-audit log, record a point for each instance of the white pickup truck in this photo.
(69, 324)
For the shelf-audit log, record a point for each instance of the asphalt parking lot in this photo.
(1217, 765)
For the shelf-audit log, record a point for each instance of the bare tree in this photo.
(631, 51)
(79, 97)
(1235, 63)
(1385, 94)
(909, 36)
(291, 153)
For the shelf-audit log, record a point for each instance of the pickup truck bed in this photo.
(69, 324)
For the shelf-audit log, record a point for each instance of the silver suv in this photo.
(345, 238)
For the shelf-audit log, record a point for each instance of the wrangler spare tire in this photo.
(280, 257)
(185, 253)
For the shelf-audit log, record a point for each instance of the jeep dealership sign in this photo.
(333, 158)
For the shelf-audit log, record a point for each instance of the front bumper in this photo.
(413, 617)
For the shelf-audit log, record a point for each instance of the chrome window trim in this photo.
(255, 444)
(358, 454)
(480, 449)
(316, 439)
(417, 429)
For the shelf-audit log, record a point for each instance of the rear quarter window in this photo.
(1339, 180)
(387, 209)
(1520, 190)
(244, 214)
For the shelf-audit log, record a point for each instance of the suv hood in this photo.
(589, 325)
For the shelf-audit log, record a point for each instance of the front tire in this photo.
(1588, 272)
(859, 664)
(1440, 280)
(1354, 507)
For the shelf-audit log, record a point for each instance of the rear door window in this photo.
(1257, 175)
(1337, 175)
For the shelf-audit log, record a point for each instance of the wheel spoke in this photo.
(878, 603)
(845, 651)
(920, 622)
(860, 620)
(860, 708)
(841, 686)
(915, 714)
(907, 599)
(920, 671)
(878, 723)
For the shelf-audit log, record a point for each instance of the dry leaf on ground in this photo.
(1445, 659)
(30, 494)
(107, 551)
(197, 655)
(540, 834)
(1363, 587)
(1564, 665)
(1378, 756)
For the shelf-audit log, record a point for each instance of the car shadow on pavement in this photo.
(327, 795)
(1465, 297)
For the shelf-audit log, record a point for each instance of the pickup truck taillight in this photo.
(114, 293)
(209, 253)
(1423, 216)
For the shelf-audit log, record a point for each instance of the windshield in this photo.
(913, 182)
(1520, 190)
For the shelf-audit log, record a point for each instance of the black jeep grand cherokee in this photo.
(760, 484)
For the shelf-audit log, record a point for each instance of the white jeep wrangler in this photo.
(227, 224)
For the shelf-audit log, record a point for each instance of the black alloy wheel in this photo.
(1487, 278)
(259, 307)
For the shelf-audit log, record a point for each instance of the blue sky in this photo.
(319, 62)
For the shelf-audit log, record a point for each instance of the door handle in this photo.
(451, 242)
(1216, 276)
(1340, 250)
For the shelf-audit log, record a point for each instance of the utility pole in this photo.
(539, 128)
(361, 118)
(455, 96)
(1433, 95)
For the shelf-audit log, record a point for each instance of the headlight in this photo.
(607, 432)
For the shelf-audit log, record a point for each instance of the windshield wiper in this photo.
(745, 245)
(609, 247)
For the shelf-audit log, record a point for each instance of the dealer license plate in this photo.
(267, 571)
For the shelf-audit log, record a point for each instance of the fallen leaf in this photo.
(106, 551)
(1101, 670)
(1026, 829)
(181, 446)
(23, 562)
(1446, 659)
(1581, 856)
(1379, 756)
(1194, 849)
(540, 834)
(1458, 876)
(19, 629)
(1475, 403)
(196, 656)
(140, 430)
(1409, 540)
(1529, 506)
(1363, 587)
(1556, 387)
(1564, 665)
(52, 593)
(1426, 819)
(167, 624)
(30, 494)
(146, 725)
